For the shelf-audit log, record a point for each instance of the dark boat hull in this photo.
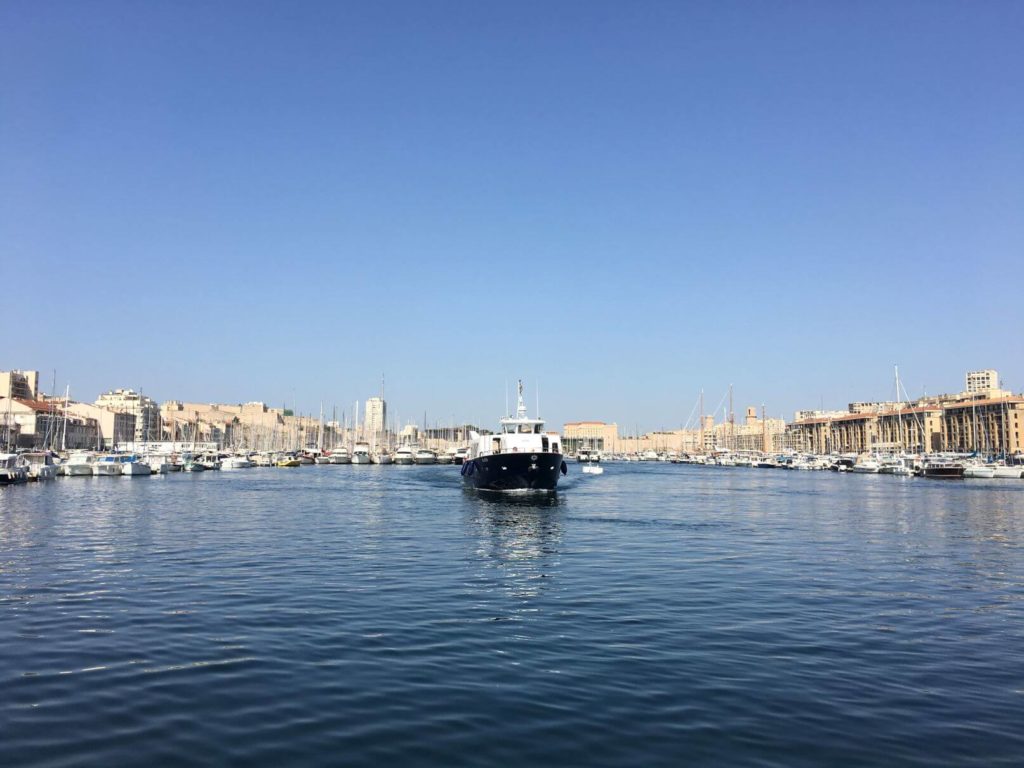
(507, 472)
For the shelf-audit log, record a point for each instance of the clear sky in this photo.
(624, 201)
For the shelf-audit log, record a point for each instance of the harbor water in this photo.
(657, 614)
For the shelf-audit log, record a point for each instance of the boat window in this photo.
(524, 429)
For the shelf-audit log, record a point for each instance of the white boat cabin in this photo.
(517, 435)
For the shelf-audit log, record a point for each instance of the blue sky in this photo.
(626, 202)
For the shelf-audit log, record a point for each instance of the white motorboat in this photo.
(381, 457)
(894, 466)
(107, 465)
(867, 466)
(405, 456)
(133, 465)
(235, 462)
(322, 459)
(159, 463)
(425, 456)
(340, 456)
(40, 465)
(12, 469)
(1008, 472)
(592, 469)
(79, 464)
(361, 454)
(979, 471)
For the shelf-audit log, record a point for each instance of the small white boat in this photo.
(107, 465)
(322, 459)
(340, 456)
(592, 469)
(979, 471)
(235, 462)
(405, 456)
(12, 469)
(361, 454)
(79, 464)
(381, 457)
(425, 456)
(132, 465)
(1008, 472)
(867, 467)
(40, 465)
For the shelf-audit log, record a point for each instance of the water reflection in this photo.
(517, 538)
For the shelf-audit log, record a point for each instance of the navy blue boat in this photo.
(521, 457)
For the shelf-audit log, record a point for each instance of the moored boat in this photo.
(425, 456)
(40, 465)
(361, 454)
(404, 456)
(12, 469)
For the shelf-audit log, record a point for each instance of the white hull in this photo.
(360, 458)
(985, 473)
(382, 458)
(235, 462)
(107, 469)
(132, 468)
(341, 459)
(78, 470)
(45, 472)
(1007, 473)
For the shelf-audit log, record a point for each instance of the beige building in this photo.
(592, 435)
(114, 428)
(375, 417)
(19, 384)
(982, 381)
(144, 409)
(987, 425)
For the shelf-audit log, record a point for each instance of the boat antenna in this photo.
(536, 386)
(507, 411)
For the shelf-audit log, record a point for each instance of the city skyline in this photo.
(626, 204)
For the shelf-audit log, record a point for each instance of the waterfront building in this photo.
(112, 428)
(966, 424)
(982, 381)
(19, 384)
(37, 423)
(375, 417)
(144, 409)
(593, 435)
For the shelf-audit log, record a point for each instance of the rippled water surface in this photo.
(653, 615)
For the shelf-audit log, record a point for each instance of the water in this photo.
(653, 615)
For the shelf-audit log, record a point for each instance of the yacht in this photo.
(867, 465)
(133, 465)
(460, 455)
(321, 458)
(405, 456)
(107, 465)
(361, 454)
(381, 457)
(235, 462)
(159, 463)
(40, 465)
(584, 455)
(79, 464)
(1008, 471)
(894, 465)
(939, 466)
(521, 457)
(12, 469)
(425, 456)
(445, 458)
(340, 456)
(978, 470)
